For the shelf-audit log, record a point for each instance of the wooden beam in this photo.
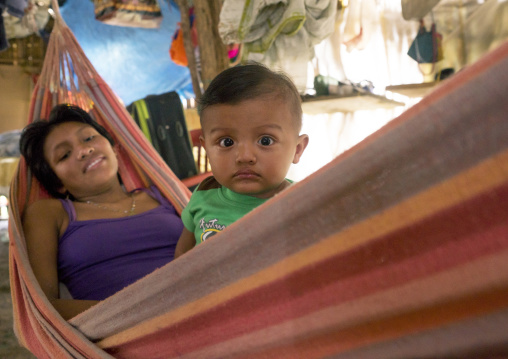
(213, 52)
(189, 48)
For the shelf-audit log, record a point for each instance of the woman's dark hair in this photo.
(34, 135)
(250, 81)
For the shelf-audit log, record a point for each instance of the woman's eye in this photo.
(64, 156)
(266, 141)
(89, 138)
(226, 142)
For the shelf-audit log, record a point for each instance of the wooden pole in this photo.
(213, 52)
(189, 48)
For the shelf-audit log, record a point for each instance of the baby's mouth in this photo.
(245, 174)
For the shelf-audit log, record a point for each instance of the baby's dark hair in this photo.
(34, 135)
(250, 81)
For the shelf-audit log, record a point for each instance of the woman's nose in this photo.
(245, 154)
(85, 151)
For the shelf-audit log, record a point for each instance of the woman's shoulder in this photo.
(45, 216)
(46, 208)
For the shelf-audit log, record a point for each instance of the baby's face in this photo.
(251, 145)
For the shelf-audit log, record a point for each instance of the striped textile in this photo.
(396, 249)
(68, 77)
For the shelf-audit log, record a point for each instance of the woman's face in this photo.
(81, 158)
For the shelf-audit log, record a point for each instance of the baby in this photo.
(251, 119)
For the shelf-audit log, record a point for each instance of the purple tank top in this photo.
(99, 257)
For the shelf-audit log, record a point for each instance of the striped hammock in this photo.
(69, 77)
(396, 249)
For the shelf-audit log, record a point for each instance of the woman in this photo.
(93, 236)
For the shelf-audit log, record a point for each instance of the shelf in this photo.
(356, 102)
(413, 90)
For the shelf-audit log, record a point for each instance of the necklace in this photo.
(130, 212)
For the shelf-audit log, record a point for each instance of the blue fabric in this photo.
(134, 62)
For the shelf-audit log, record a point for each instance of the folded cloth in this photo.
(15, 8)
(9, 143)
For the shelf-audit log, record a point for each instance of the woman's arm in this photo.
(185, 243)
(42, 222)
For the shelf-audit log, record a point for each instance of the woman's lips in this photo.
(93, 164)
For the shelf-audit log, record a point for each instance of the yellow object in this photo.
(7, 168)
(192, 118)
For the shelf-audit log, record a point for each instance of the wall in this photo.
(15, 93)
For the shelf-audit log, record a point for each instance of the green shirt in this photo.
(213, 207)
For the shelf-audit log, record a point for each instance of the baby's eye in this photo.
(266, 141)
(226, 142)
(89, 138)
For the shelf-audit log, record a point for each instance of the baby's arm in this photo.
(185, 243)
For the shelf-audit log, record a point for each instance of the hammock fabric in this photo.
(68, 77)
(397, 248)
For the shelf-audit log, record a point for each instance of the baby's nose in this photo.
(246, 154)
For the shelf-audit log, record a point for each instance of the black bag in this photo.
(164, 125)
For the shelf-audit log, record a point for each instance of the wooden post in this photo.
(189, 48)
(213, 52)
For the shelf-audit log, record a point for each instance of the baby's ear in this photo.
(202, 141)
(301, 144)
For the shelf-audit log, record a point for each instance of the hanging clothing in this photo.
(280, 34)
